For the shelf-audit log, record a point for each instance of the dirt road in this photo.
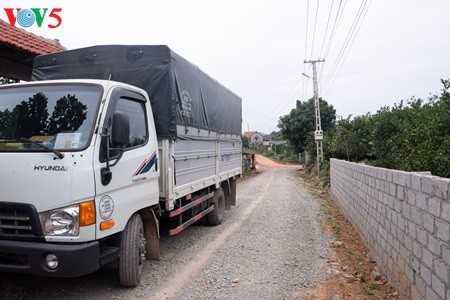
(270, 246)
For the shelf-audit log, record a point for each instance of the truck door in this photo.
(134, 181)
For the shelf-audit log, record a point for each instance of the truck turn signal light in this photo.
(87, 213)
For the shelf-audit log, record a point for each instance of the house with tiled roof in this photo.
(255, 138)
(18, 48)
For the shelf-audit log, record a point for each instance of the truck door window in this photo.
(135, 110)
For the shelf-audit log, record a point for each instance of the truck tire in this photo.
(216, 216)
(132, 251)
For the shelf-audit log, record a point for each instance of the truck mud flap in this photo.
(229, 189)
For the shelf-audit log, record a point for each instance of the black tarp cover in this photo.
(180, 93)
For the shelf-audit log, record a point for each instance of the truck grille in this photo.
(19, 221)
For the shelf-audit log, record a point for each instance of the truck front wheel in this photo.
(132, 251)
(216, 216)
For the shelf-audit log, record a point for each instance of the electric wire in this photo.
(353, 41)
(256, 124)
(307, 22)
(346, 43)
(315, 26)
(335, 26)
(263, 121)
(336, 23)
(276, 114)
(326, 29)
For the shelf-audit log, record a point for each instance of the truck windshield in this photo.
(61, 117)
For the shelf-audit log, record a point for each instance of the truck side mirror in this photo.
(120, 136)
(120, 131)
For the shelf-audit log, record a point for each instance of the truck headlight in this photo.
(61, 222)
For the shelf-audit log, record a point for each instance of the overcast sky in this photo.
(398, 49)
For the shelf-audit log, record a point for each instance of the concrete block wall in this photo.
(404, 219)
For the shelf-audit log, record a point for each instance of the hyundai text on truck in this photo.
(102, 144)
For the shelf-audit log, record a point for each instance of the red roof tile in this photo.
(28, 41)
(249, 133)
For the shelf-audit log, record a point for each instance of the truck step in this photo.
(108, 254)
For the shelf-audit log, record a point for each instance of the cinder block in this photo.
(408, 241)
(415, 295)
(398, 206)
(414, 263)
(425, 273)
(389, 176)
(400, 235)
(431, 295)
(434, 206)
(416, 216)
(407, 179)
(404, 253)
(421, 286)
(428, 222)
(406, 210)
(441, 270)
(394, 216)
(400, 192)
(443, 231)
(417, 249)
(392, 189)
(446, 255)
(441, 187)
(415, 181)
(427, 258)
(401, 223)
(421, 201)
(396, 177)
(411, 197)
(422, 236)
(434, 245)
(400, 177)
(438, 286)
(426, 185)
(445, 213)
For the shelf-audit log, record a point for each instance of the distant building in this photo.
(274, 143)
(256, 138)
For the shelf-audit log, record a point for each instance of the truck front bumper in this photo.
(29, 257)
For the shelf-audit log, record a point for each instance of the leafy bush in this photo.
(411, 136)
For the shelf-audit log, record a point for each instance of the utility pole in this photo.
(318, 133)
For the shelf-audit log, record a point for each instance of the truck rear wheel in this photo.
(132, 251)
(216, 216)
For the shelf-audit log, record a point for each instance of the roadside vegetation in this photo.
(413, 135)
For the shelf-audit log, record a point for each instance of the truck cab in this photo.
(79, 158)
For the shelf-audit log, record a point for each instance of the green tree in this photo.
(352, 138)
(68, 115)
(32, 116)
(299, 125)
(411, 136)
(245, 142)
(8, 123)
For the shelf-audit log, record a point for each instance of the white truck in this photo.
(99, 146)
